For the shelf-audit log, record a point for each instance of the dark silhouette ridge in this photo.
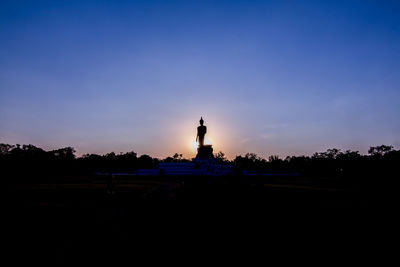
(29, 159)
(333, 168)
(59, 205)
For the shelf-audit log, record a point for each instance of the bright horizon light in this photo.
(195, 144)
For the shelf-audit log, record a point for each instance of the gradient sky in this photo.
(269, 77)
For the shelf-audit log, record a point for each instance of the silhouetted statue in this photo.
(201, 132)
(203, 151)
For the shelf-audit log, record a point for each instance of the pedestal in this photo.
(205, 152)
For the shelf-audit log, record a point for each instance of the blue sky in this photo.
(269, 77)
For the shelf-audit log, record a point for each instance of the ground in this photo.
(79, 220)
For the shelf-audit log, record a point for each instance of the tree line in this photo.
(348, 166)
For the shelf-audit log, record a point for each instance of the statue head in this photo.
(201, 121)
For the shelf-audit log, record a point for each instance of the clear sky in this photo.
(269, 77)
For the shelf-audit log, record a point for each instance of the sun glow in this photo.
(195, 144)
(187, 129)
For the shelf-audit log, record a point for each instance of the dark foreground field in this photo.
(66, 221)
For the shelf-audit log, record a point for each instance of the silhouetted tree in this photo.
(329, 154)
(128, 156)
(145, 161)
(5, 149)
(273, 158)
(379, 150)
(250, 162)
(177, 157)
(91, 157)
(333, 167)
(220, 157)
(110, 156)
(168, 159)
(66, 153)
(348, 155)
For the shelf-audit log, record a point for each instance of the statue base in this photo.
(205, 151)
